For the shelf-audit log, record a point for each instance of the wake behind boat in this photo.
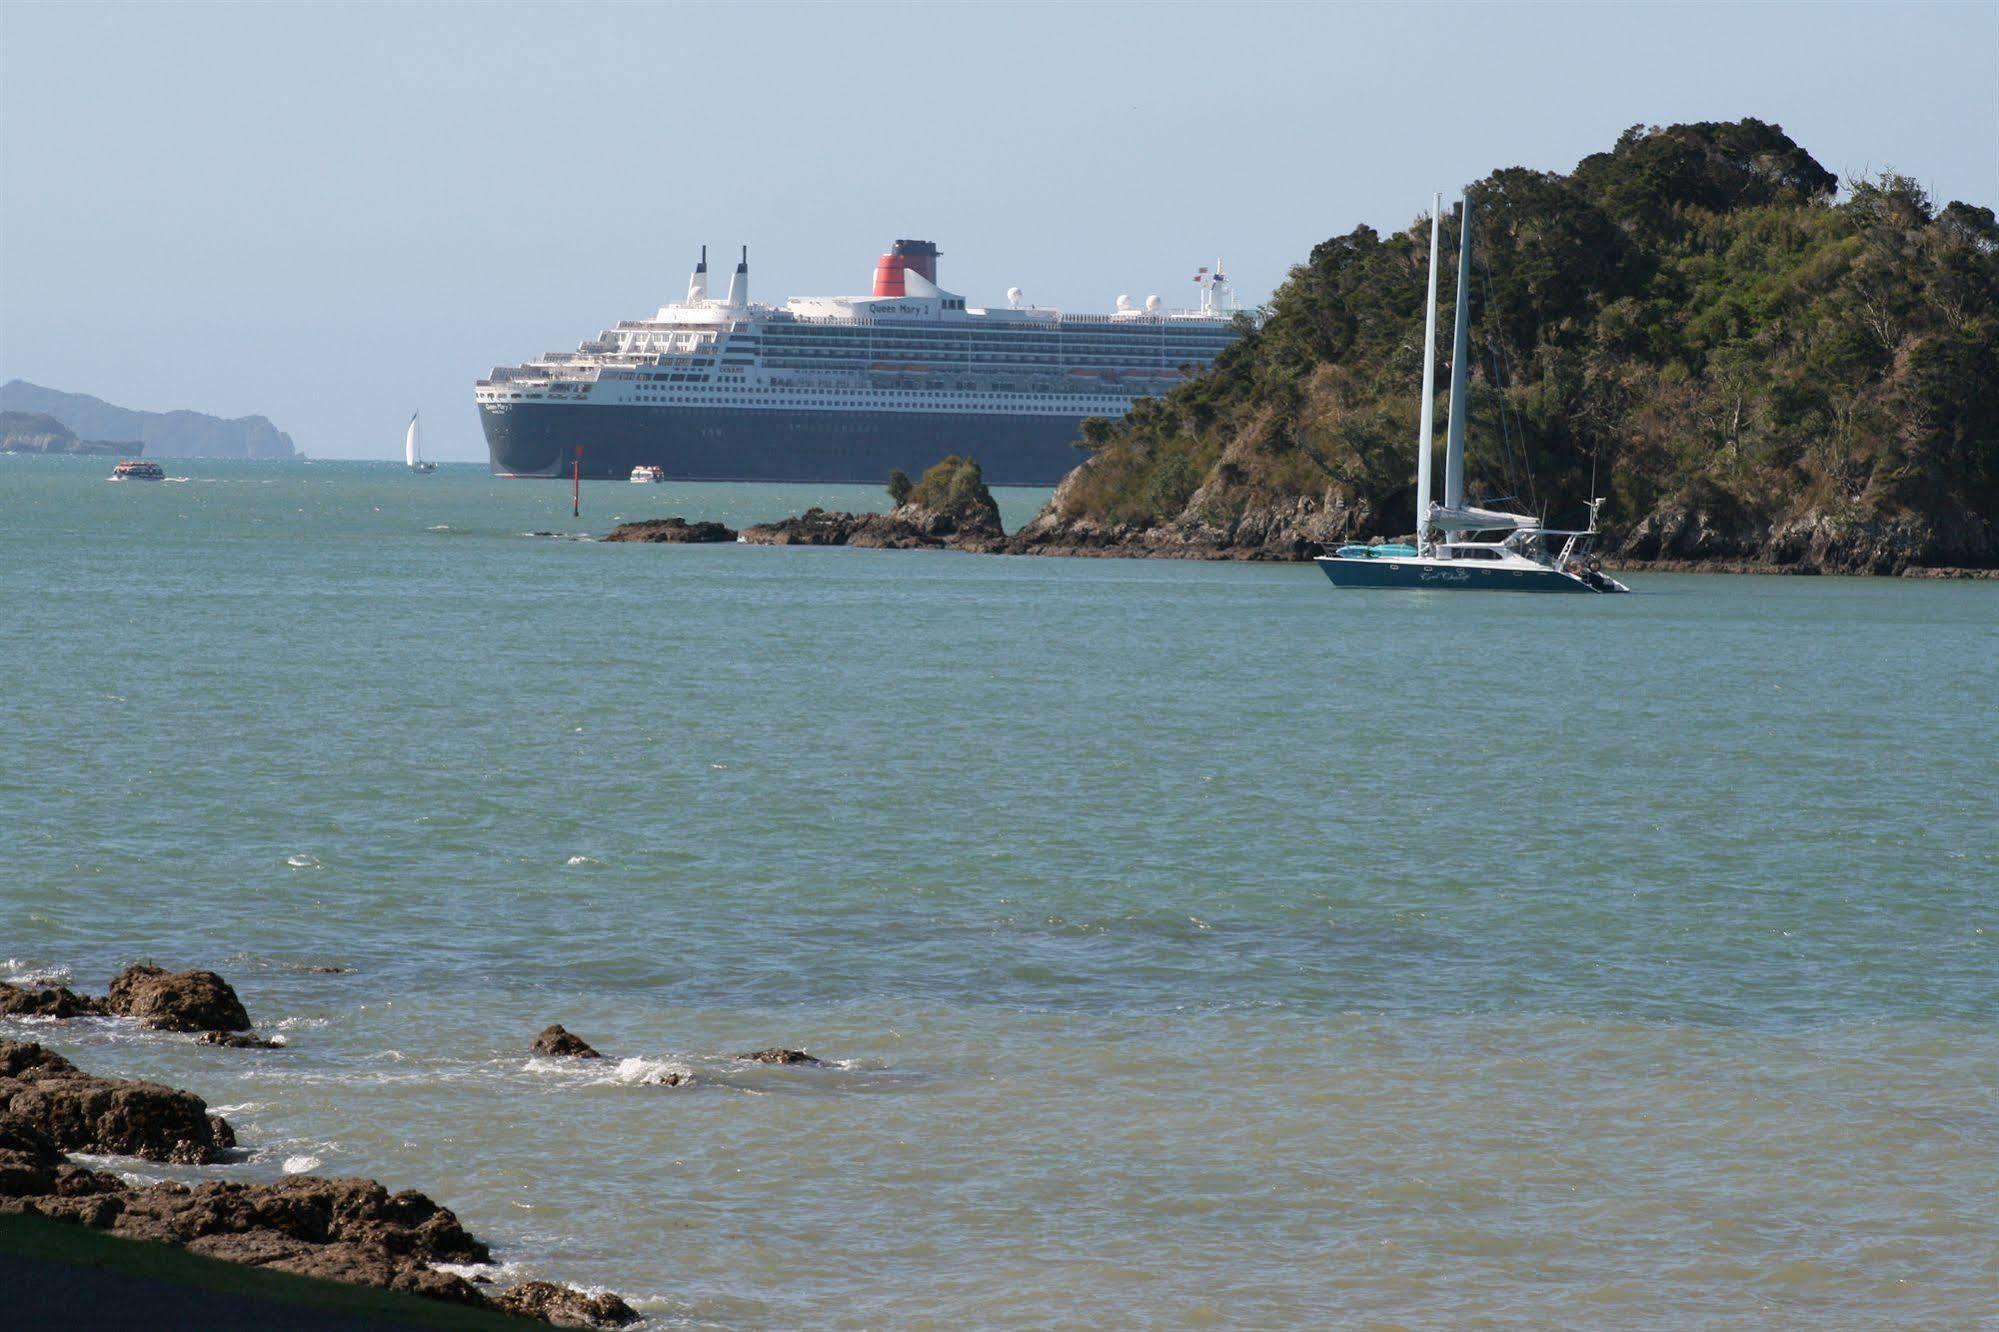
(1529, 557)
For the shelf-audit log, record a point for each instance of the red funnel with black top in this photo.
(920, 255)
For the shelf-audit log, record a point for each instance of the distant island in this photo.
(38, 432)
(179, 434)
(1757, 375)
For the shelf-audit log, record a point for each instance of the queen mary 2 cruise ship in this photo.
(844, 388)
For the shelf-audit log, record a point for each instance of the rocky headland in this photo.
(1763, 373)
(38, 432)
(176, 434)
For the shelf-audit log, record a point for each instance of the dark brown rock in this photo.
(56, 1002)
(559, 1042)
(241, 1040)
(351, 1230)
(775, 1055)
(675, 530)
(950, 508)
(564, 1307)
(84, 1113)
(176, 1000)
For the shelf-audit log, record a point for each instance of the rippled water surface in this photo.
(1197, 945)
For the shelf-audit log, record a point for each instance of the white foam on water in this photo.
(246, 1108)
(629, 1072)
(441, 527)
(15, 971)
(298, 1165)
(584, 860)
(302, 862)
(647, 1072)
(500, 1274)
(298, 1023)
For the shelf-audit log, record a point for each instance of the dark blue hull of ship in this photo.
(750, 444)
(1446, 575)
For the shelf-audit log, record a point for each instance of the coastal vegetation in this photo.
(1754, 365)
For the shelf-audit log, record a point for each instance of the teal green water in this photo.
(1199, 945)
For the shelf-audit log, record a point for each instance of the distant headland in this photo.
(86, 421)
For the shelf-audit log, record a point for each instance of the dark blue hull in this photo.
(748, 444)
(1448, 575)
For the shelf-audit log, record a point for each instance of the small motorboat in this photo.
(646, 474)
(138, 469)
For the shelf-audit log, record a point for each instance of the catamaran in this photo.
(1528, 557)
(412, 454)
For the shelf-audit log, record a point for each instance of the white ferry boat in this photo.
(845, 388)
(138, 469)
(643, 475)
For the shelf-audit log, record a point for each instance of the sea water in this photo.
(1189, 944)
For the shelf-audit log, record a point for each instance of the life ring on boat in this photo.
(1573, 566)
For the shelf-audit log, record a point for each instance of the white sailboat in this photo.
(412, 454)
(1527, 557)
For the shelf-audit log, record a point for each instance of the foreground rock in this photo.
(674, 530)
(351, 1230)
(950, 508)
(80, 1112)
(565, 1307)
(54, 1002)
(558, 1042)
(774, 1055)
(176, 1000)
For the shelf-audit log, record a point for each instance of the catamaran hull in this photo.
(1453, 575)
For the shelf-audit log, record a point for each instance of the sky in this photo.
(334, 215)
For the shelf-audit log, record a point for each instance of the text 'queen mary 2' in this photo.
(844, 388)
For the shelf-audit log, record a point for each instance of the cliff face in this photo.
(1754, 371)
(38, 432)
(179, 434)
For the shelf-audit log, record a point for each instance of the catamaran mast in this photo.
(1454, 439)
(1425, 445)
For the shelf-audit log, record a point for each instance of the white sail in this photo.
(410, 455)
(1425, 444)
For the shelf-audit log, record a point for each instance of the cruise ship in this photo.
(844, 388)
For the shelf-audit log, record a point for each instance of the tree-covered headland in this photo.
(1752, 363)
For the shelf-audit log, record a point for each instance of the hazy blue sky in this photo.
(336, 214)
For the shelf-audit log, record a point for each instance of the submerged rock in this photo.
(241, 1040)
(565, 1307)
(176, 1000)
(674, 530)
(557, 1041)
(56, 1001)
(81, 1112)
(775, 1055)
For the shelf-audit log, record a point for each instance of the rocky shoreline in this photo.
(347, 1230)
(1296, 529)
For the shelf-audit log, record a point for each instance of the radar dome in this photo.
(1013, 295)
(1153, 304)
(1124, 303)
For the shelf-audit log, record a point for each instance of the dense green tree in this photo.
(1694, 318)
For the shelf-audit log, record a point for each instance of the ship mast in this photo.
(1425, 444)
